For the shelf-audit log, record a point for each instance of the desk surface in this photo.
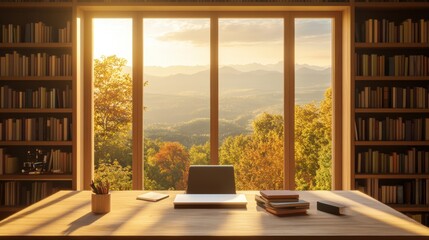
(67, 214)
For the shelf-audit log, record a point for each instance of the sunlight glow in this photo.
(113, 36)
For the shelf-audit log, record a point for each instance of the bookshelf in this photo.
(390, 145)
(37, 109)
(365, 87)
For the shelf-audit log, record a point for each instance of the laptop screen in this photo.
(211, 179)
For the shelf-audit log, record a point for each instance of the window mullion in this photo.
(137, 129)
(214, 90)
(289, 98)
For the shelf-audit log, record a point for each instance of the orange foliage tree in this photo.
(170, 166)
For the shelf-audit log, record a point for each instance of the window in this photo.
(176, 99)
(251, 100)
(112, 101)
(313, 103)
(231, 90)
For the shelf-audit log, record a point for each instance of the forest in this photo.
(257, 156)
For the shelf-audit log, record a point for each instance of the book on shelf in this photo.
(36, 129)
(376, 30)
(392, 129)
(19, 193)
(374, 65)
(55, 160)
(35, 32)
(415, 192)
(35, 65)
(40, 98)
(392, 97)
(411, 161)
(422, 218)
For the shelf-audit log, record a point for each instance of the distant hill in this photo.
(177, 105)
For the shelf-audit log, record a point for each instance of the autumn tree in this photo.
(169, 166)
(307, 145)
(112, 110)
(323, 176)
(257, 157)
(112, 122)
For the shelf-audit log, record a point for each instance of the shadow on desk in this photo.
(46, 203)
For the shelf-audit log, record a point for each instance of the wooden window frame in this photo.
(289, 85)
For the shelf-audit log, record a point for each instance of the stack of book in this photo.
(281, 202)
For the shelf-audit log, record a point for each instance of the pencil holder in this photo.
(100, 203)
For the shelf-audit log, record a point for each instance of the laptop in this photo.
(211, 179)
(210, 186)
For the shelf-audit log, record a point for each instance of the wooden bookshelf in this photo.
(36, 177)
(37, 110)
(48, 78)
(35, 45)
(391, 78)
(391, 110)
(36, 143)
(371, 37)
(390, 176)
(391, 143)
(391, 45)
(408, 208)
(55, 23)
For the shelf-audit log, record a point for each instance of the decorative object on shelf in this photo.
(100, 198)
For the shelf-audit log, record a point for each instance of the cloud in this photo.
(250, 31)
(312, 28)
(231, 32)
(246, 32)
(195, 36)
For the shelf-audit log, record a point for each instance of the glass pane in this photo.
(313, 103)
(113, 102)
(251, 101)
(176, 99)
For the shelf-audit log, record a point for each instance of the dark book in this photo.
(286, 211)
(279, 194)
(330, 207)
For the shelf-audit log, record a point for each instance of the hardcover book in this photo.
(276, 194)
(152, 196)
(330, 207)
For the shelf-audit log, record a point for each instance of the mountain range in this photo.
(177, 98)
(183, 97)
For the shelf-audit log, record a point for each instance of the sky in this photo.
(170, 42)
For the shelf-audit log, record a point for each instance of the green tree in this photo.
(266, 123)
(232, 149)
(200, 154)
(119, 177)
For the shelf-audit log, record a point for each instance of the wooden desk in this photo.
(67, 215)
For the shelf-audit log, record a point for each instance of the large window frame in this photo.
(289, 86)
